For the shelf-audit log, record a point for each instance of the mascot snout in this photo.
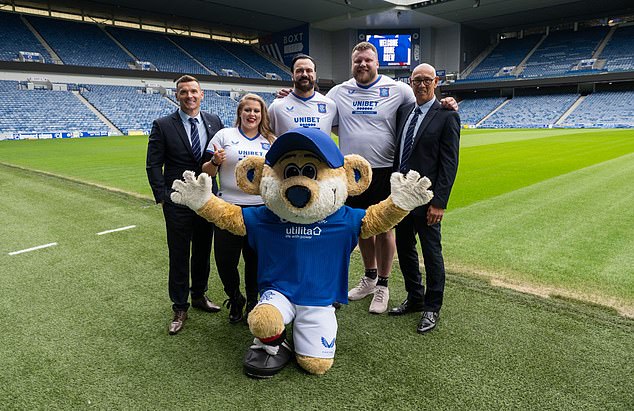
(298, 196)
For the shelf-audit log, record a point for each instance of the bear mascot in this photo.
(303, 236)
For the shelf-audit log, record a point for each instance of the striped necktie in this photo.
(195, 138)
(409, 141)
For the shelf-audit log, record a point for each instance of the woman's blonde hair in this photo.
(264, 128)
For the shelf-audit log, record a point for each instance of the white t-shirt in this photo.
(317, 111)
(237, 146)
(366, 116)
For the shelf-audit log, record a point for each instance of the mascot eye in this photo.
(291, 170)
(309, 171)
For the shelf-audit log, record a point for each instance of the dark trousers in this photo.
(227, 250)
(429, 236)
(189, 239)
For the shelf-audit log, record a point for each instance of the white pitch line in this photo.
(116, 229)
(33, 248)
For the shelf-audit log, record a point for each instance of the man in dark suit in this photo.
(177, 143)
(428, 142)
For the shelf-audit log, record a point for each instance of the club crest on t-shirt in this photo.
(384, 92)
(321, 107)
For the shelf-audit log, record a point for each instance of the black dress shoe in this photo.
(406, 307)
(258, 363)
(427, 322)
(177, 323)
(235, 306)
(205, 304)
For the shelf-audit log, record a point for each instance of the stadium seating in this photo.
(214, 57)
(128, 108)
(561, 51)
(90, 48)
(253, 59)
(42, 111)
(6, 86)
(507, 53)
(619, 52)
(473, 110)
(539, 111)
(604, 109)
(16, 37)
(156, 49)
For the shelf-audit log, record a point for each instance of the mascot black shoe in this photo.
(264, 361)
(303, 237)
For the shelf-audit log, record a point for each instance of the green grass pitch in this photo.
(544, 211)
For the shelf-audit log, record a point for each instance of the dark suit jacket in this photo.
(169, 152)
(435, 151)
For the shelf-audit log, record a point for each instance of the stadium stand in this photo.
(253, 59)
(16, 37)
(561, 51)
(540, 111)
(619, 52)
(128, 108)
(473, 110)
(92, 48)
(156, 49)
(214, 57)
(507, 53)
(603, 109)
(7, 86)
(221, 103)
(46, 111)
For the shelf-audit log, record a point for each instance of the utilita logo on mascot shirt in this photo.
(301, 231)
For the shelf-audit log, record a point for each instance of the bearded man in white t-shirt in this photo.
(303, 106)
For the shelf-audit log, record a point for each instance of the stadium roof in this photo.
(253, 18)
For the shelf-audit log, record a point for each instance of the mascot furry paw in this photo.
(303, 237)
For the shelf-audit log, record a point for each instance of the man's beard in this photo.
(304, 86)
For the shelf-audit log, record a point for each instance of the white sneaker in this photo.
(380, 300)
(365, 287)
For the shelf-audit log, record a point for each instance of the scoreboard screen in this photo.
(393, 49)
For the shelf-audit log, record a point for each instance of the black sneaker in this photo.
(235, 306)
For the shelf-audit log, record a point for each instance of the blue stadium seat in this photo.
(80, 44)
(16, 37)
(540, 111)
(507, 53)
(473, 110)
(604, 109)
(214, 57)
(158, 50)
(41, 111)
(255, 60)
(128, 108)
(619, 52)
(562, 51)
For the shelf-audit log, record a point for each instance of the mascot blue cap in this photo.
(308, 139)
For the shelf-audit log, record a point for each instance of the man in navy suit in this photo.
(177, 143)
(428, 142)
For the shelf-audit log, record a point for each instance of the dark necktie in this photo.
(195, 138)
(409, 141)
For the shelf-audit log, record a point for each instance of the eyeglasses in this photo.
(427, 81)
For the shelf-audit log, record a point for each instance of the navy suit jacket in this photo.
(169, 152)
(435, 150)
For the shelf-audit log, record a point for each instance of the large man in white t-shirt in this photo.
(366, 125)
(303, 106)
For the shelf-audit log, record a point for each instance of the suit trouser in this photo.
(227, 250)
(429, 236)
(189, 239)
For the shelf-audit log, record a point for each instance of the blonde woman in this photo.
(251, 136)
